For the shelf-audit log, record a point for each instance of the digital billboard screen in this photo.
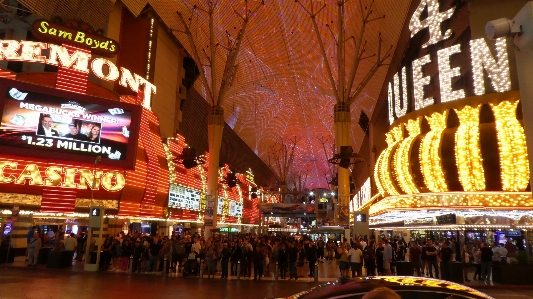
(73, 126)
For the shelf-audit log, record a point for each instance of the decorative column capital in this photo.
(216, 116)
(342, 113)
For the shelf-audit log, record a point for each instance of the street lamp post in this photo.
(90, 230)
(95, 177)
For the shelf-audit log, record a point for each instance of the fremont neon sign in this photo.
(58, 176)
(31, 51)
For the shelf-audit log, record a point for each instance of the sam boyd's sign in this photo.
(98, 44)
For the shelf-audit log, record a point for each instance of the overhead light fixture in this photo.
(346, 157)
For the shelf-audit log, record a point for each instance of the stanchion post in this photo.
(238, 270)
(130, 268)
(316, 271)
(165, 263)
(276, 273)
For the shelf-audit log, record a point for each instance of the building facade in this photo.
(91, 116)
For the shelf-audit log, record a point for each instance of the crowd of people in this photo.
(434, 258)
(288, 257)
(58, 241)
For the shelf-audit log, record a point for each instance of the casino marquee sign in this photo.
(12, 172)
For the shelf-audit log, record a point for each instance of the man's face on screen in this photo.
(47, 122)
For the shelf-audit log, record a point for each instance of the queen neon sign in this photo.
(414, 79)
(31, 51)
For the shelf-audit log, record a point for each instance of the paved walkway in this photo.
(32, 283)
(328, 271)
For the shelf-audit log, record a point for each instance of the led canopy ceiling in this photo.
(280, 89)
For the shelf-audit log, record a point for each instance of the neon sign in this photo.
(30, 51)
(250, 176)
(101, 45)
(229, 230)
(412, 77)
(58, 176)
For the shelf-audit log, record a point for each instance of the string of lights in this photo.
(402, 156)
(514, 162)
(393, 137)
(467, 151)
(430, 161)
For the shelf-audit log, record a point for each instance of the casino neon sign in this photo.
(31, 51)
(58, 176)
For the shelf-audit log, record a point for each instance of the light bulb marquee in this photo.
(512, 147)
(457, 200)
(506, 129)
(481, 57)
(430, 157)
(467, 151)
(452, 125)
(385, 175)
(401, 158)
